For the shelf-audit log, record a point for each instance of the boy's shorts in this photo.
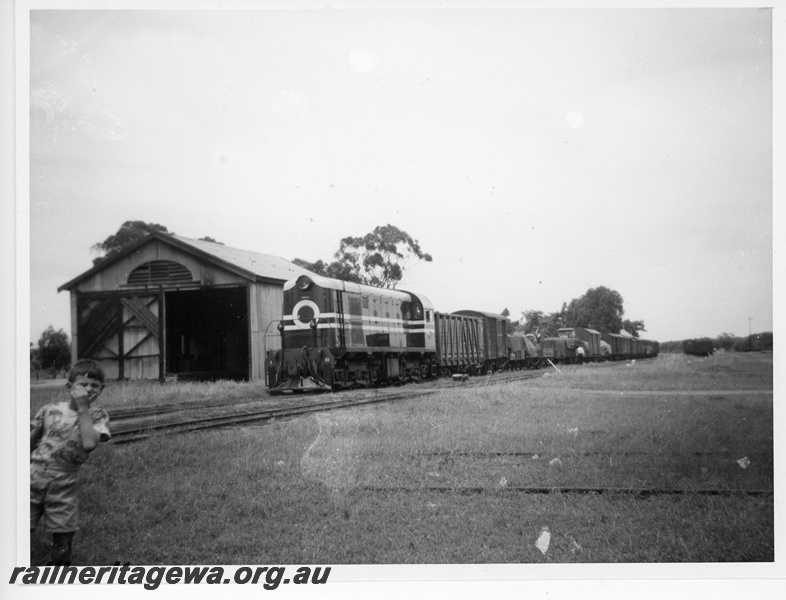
(54, 495)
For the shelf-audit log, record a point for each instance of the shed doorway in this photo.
(207, 334)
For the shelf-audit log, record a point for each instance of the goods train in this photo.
(337, 334)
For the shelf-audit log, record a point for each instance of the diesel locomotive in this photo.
(337, 334)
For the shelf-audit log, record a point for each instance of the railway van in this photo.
(524, 351)
(563, 350)
(699, 347)
(589, 336)
(460, 340)
(495, 333)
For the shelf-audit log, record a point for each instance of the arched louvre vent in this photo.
(159, 271)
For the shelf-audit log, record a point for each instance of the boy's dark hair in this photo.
(88, 368)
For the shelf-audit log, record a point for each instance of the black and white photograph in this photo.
(311, 294)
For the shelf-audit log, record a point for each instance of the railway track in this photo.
(642, 492)
(132, 424)
(140, 426)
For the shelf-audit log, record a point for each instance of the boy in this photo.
(61, 437)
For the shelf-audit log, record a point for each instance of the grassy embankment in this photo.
(357, 485)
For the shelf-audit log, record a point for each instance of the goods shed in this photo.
(170, 306)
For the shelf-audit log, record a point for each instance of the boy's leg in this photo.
(61, 515)
(38, 488)
(32, 548)
(61, 548)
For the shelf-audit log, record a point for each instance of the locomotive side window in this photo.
(428, 316)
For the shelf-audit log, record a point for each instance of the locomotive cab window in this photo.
(418, 311)
(428, 316)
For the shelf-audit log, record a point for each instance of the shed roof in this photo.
(255, 266)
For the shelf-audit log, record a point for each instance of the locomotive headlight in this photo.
(303, 282)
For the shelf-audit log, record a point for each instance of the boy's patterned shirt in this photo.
(60, 441)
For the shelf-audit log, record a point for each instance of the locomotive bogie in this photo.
(300, 369)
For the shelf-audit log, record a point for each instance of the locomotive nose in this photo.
(304, 312)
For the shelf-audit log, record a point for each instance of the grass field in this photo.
(450, 478)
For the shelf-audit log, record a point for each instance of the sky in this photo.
(534, 153)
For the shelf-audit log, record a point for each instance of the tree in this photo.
(600, 308)
(207, 238)
(539, 323)
(533, 320)
(54, 350)
(129, 232)
(334, 270)
(726, 341)
(511, 325)
(379, 258)
(35, 361)
(633, 327)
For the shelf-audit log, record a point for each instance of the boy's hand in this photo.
(81, 398)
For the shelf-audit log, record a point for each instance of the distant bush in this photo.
(758, 342)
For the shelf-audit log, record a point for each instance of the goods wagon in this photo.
(524, 351)
(563, 350)
(495, 332)
(589, 336)
(459, 343)
(700, 347)
(615, 342)
(650, 348)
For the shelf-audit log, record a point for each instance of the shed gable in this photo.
(160, 272)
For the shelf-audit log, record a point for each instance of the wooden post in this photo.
(161, 335)
(75, 333)
(252, 331)
(120, 346)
